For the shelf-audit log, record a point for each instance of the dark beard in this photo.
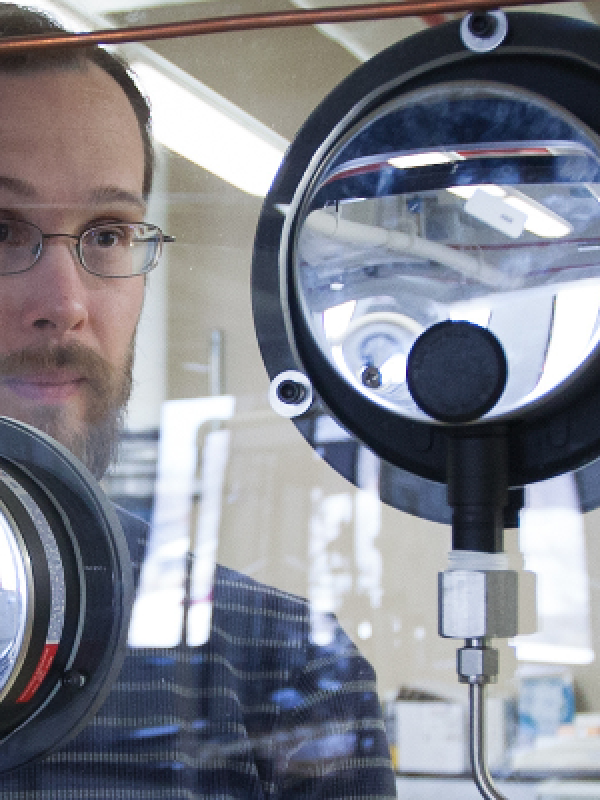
(107, 392)
(96, 446)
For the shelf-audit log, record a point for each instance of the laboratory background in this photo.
(205, 457)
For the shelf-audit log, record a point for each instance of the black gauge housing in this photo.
(555, 58)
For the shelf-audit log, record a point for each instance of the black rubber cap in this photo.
(456, 371)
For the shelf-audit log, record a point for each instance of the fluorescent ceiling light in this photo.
(201, 132)
(424, 159)
(540, 220)
(468, 191)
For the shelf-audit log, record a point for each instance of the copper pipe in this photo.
(247, 22)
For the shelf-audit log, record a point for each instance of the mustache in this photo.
(91, 366)
(94, 437)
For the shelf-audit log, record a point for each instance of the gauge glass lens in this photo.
(478, 203)
(14, 601)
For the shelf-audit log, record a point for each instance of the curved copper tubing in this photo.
(246, 22)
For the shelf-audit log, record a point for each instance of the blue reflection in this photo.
(159, 730)
(329, 684)
(287, 699)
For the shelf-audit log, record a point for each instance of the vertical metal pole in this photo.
(216, 364)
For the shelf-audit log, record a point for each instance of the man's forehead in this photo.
(69, 136)
(86, 87)
(25, 193)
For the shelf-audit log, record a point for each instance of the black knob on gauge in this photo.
(456, 371)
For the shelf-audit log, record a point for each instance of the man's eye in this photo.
(7, 233)
(109, 238)
(14, 234)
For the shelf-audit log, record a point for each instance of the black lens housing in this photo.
(555, 57)
(76, 549)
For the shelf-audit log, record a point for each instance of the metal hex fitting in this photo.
(477, 604)
(477, 664)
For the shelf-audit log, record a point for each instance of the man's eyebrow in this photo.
(104, 195)
(17, 186)
(114, 194)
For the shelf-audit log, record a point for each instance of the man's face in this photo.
(71, 155)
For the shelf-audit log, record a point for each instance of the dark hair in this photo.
(20, 21)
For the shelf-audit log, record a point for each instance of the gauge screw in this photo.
(482, 25)
(483, 31)
(371, 378)
(291, 392)
(73, 679)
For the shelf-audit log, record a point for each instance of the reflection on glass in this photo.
(13, 600)
(551, 538)
(503, 232)
(212, 133)
(182, 525)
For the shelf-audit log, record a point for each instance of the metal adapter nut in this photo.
(477, 604)
(477, 664)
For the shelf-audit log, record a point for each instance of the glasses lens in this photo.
(116, 251)
(20, 245)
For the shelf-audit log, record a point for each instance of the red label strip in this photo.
(40, 673)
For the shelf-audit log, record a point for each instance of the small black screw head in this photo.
(73, 679)
(371, 378)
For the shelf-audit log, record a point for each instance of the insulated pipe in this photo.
(361, 234)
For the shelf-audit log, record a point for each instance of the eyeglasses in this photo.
(111, 250)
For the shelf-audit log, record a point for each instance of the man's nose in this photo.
(57, 302)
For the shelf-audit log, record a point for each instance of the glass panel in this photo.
(206, 473)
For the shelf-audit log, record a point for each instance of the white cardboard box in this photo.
(568, 790)
(432, 738)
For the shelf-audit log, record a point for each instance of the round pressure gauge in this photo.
(65, 594)
(447, 194)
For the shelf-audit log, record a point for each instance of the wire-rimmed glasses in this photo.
(109, 250)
